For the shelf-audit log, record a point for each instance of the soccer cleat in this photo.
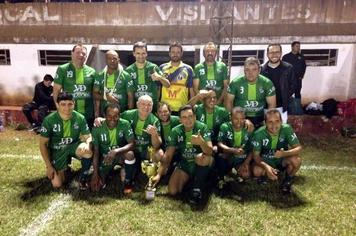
(128, 187)
(286, 185)
(83, 185)
(262, 180)
(196, 196)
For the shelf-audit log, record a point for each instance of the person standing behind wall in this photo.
(296, 59)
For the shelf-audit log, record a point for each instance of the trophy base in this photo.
(150, 194)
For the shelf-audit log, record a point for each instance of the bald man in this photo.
(113, 85)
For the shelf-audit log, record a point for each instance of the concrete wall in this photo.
(188, 22)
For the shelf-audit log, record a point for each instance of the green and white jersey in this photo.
(142, 81)
(252, 97)
(119, 84)
(167, 129)
(211, 76)
(181, 140)
(212, 120)
(266, 144)
(233, 138)
(143, 139)
(80, 83)
(107, 139)
(63, 133)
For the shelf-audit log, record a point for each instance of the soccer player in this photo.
(211, 73)
(252, 92)
(234, 141)
(276, 148)
(147, 77)
(78, 79)
(167, 120)
(113, 143)
(209, 112)
(65, 134)
(113, 85)
(147, 133)
(191, 140)
(180, 76)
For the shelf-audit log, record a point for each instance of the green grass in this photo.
(322, 203)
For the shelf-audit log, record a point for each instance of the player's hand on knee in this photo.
(272, 173)
(50, 172)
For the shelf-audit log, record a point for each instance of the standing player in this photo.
(77, 78)
(252, 92)
(65, 134)
(113, 85)
(276, 148)
(180, 76)
(211, 73)
(191, 141)
(147, 77)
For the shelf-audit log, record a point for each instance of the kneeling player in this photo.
(113, 142)
(65, 134)
(275, 148)
(233, 140)
(191, 139)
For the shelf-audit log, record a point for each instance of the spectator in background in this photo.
(296, 59)
(282, 75)
(42, 101)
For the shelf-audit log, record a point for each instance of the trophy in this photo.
(150, 169)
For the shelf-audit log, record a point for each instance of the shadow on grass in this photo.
(250, 191)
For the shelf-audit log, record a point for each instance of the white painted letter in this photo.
(164, 15)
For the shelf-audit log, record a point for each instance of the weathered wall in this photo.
(160, 22)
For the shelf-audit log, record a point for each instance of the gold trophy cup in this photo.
(150, 169)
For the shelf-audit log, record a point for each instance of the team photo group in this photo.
(190, 126)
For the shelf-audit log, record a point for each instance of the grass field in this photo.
(322, 203)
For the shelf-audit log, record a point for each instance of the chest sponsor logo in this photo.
(211, 83)
(65, 141)
(173, 93)
(251, 104)
(79, 88)
(142, 88)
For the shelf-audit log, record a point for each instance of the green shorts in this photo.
(60, 159)
(274, 162)
(104, 169)
(187, 166)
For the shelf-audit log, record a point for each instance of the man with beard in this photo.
(282, 75)
(147, 77)
(113, 142)
(180, 76)
(167, 120)
(276, 148)
(113, 85)
(77, 78)
(191, 140)
(147, 131)
(211, 73)
(252, 92)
